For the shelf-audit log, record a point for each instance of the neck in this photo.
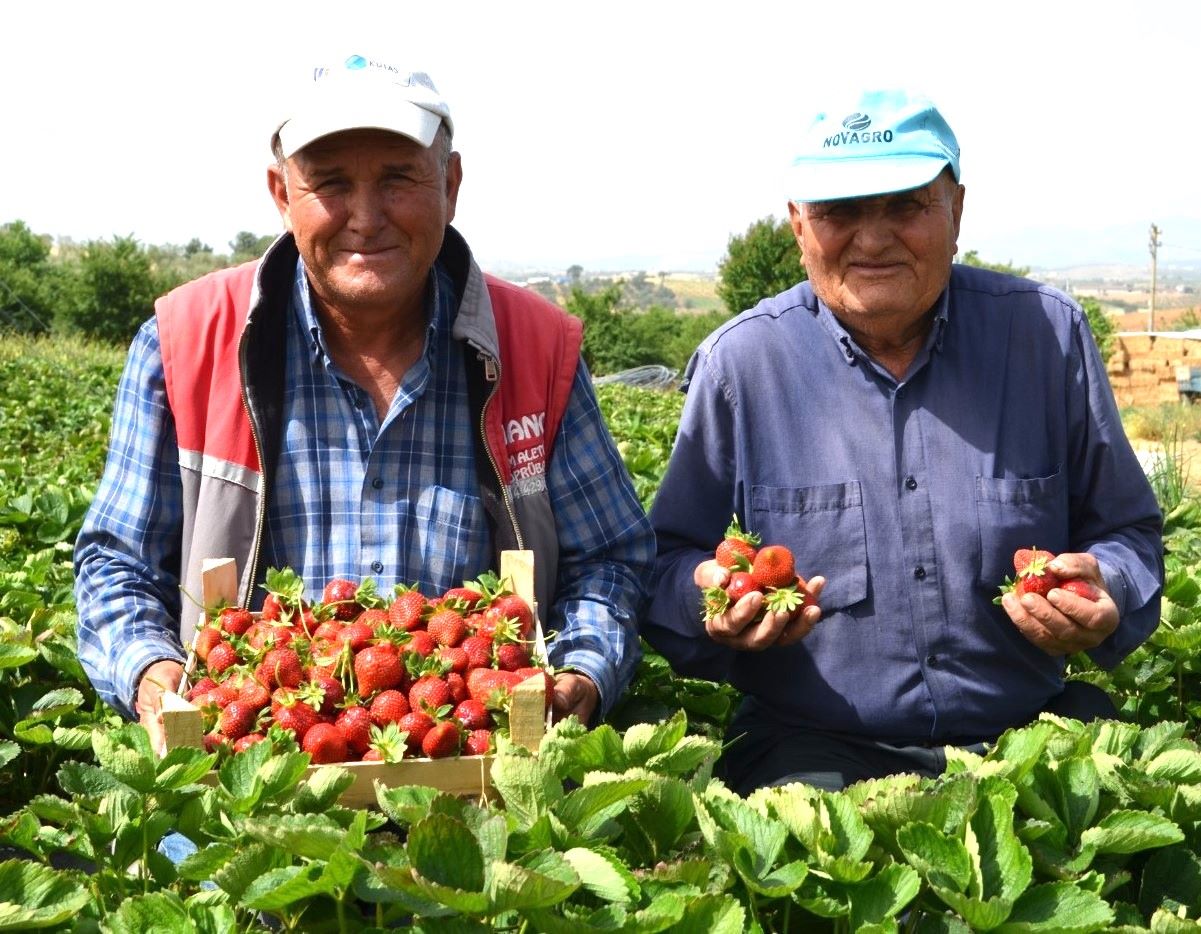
(894, 346)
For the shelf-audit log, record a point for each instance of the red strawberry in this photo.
(478, 650)
(358, 635)
(245, 742)
(511, 606)
(407, 610)
(739, 585)
(297, 717)
(458, 687)
(377, 668)
(454, 656)
(1081, 588)
(201, 687)
(332, 692)
(469, 594)
(473, 715)
(389, 744)
(420, 643)
(324, 743)
(429, 692)
(446, 625)
(1024, 556)
(1033, 575)
(285, 595)
(484, 683)
(773, 567)
(280, 667)
(216, 742)
(206, 638)
(389, 707)
(254, 692)
(355, 724)
(235, 620)
(416, 724)
(221, 657)
(373, 618)
(738, 548)
(442, 740)
(339, 595)
(478, 743)
(512, 655)
(238, 718)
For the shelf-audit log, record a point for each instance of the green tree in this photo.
(116, 289)
(972, 258)
(247, 246)
(758, 264)
(29, 283)
(1100, 324)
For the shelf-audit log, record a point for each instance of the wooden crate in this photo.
(464, 775)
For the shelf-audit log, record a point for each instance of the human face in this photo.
(882, 260)
(368, 209)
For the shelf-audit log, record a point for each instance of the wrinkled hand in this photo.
(574, 694)
(736, 628)
(1063, 623)
(161, 676)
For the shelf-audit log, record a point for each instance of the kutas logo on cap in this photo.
(856, 121)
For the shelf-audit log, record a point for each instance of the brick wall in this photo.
(1142, 368)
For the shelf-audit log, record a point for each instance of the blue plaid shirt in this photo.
(355, 496)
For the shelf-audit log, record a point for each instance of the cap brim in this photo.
(863, 177)
(409, 120)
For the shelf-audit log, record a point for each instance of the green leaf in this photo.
(685, 757)
(14, 656)
(126, 754)
(941, 859)
(1178, 766)
(36, 896)
(245, 865)
(714, 914)
(603, 874)
(644, 741)
(583, 803)
(322, 789)
(444, 851)
(184, 766)
(663, 810)
(56, 703)
(882, 897)
(1001, 864)
(8, 751)
(1172, 875)
(405, 804)
(281, 889)
(527, 786)
(1131, 831)
(311, 836)
(157, 911)
(1058, 907)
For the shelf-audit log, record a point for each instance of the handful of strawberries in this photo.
(767, 569)
(359, 676)
(1031, 575)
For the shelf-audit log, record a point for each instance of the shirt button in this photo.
(377, 566)
(910, 482)
(919, 572)
(932, 661)
(377, 483)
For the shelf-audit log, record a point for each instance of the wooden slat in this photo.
(182, 722)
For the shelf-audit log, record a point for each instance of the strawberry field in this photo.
(1060, 827)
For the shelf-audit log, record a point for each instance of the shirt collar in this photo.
(851, 350)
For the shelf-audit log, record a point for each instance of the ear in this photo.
(796, 220)
(454, 178)
(957, 212)
(277, 184)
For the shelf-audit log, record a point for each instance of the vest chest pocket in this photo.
(825, 529)
(1014, 513)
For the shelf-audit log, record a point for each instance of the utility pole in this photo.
(1155, 245)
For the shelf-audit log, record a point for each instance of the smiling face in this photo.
(881, 260)
(368, 209)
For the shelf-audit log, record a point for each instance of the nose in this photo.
(875, 231)
(365, 210)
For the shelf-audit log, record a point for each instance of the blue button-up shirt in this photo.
(910, 496)
(395, 499)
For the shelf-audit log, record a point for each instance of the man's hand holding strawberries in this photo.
(1060, 602)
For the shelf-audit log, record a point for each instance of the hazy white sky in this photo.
(616, 135)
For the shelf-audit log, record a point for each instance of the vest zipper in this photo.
(261, 504)
(492, 375)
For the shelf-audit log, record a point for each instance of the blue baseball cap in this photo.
(881, 142)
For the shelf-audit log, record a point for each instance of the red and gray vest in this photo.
(221, 337)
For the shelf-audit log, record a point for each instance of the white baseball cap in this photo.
(360, 93)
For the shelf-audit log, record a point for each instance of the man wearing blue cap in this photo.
(903, 425)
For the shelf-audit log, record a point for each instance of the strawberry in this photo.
(355, 724)
(773, 567)
(454, 656)
(242, 743)
(201, 687)
(221, 657)
(478, 649)
(237, 719)
(1023, 557)
(339, 595)
(373, 618)
(206, 638)
(739, 585)
(358, 635)
(253, 691)
(216, 742)
(235, 620)
(377, 668)
(1032, 573)
(280, 667)
(446, 625)
(738, 548)
(458, 687)
(512, 607)
(477, 743)
(332, 692)
(512, 655)
(416, 724)
(389, 707)
(442, 740)
(388, 744)
(324, 743)
(420, 643)
(429, 692)
(1081, 588)
(469, 594)
(408, 608)
(285, 595)
(484, 683)
(473, 715)
(296, 717)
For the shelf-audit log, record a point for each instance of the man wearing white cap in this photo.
(903, 425)
(361, 402)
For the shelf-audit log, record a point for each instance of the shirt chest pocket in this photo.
(1026, 512)
(825, 530)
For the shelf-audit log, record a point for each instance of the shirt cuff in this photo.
(134, 662)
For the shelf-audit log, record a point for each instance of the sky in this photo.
(617, 135)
